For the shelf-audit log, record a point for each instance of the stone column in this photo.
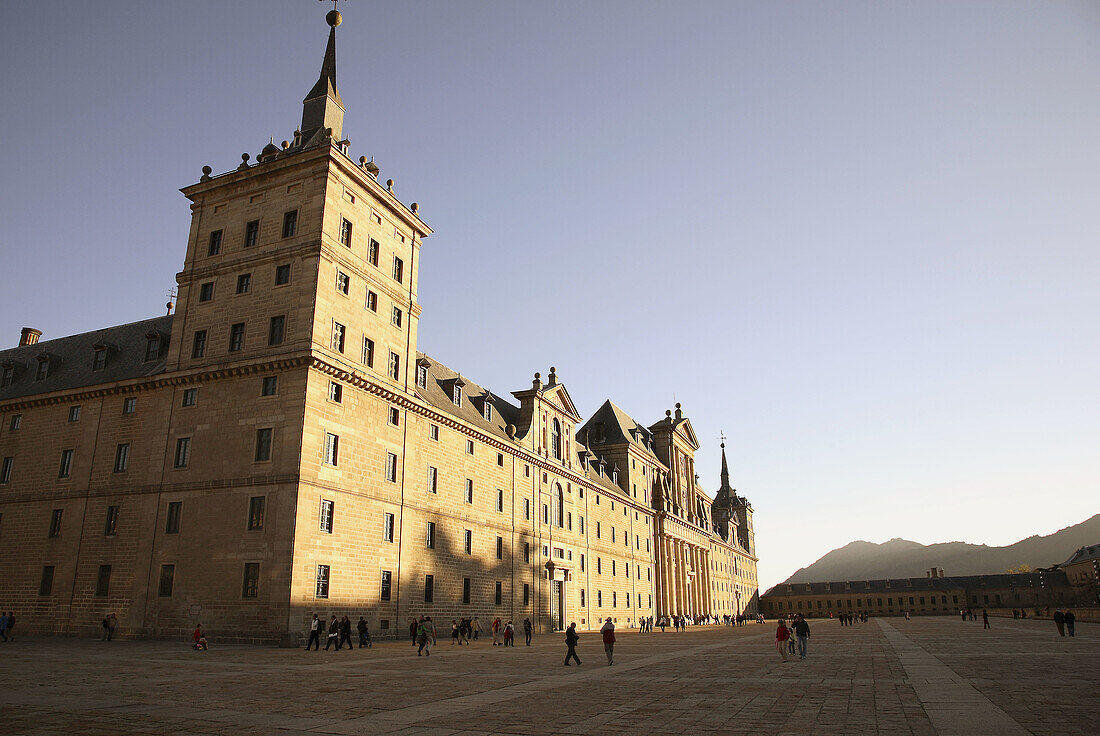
(698, 580)
(664, 575)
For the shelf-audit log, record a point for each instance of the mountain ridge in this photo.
(904, 558)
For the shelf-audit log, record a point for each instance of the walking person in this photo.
(985, 619)
(333, 633)
(476, 627)
(1069, 620)
(199, 640)
(454, 632)
(1059, 621)
(4, 625)
(571, 640)
(509, 635)
(527, 631)
(496, 630)
(364, 633)
(608, 631)
(106, 624)
(802, 631)
(413, 627)
(782, 635)
(314, 633)
(345, 633)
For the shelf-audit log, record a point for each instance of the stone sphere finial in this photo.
(389, 184)
(334, 18)
(677, 404)
(414, 207)
(206, 170)
(538, 375)
(668, 412)
(245, 157)
(362, 160)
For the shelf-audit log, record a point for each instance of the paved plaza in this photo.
(926, 676)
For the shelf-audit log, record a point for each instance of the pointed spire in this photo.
(725, 469)
(322, 108)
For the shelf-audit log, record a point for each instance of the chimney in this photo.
(29, 336)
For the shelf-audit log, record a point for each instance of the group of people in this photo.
(850, 619)
(338, 633)
(7, 623)
(109, 624)
(1065, 622)
(504, 634)
(607, 633)
(785, 637)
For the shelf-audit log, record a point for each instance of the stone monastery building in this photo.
(279, 446)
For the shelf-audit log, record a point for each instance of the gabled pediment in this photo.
(559, 397)
(683, 427)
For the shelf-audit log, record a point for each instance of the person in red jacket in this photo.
(782, 634)
(608, 631)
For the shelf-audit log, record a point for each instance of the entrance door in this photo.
(557, 616)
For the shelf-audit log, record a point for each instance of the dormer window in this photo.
(456, 394)
(152, 348)
(422, 376)
(8, 375)
(43, 368)
(99, 360)
(615, 476)
(488, 412)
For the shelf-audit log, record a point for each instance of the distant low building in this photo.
(935, 594)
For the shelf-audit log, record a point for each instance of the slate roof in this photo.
(618, 428)
(71, 359)
(893, 586)
(438, 394)
(1084, 554)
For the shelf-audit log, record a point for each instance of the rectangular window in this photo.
(433, 432)
(183, 452)
(582, 562)
(328, 509)
(500, 459)
(335, 392)
(372, 252)
(55, 522)
(398, 269)
(345, 232)
(198, 345)
(395, 317)
(152, 349)
(580, 524)
(244, 283)
(599, 599)
(466, 591)
(99, 360)
(251, 233)
(45, 586)
(343, 283)
(429, 588)
(269, 386)
(395, 366)
(391, 467)
(368, 352)
(338, 331)
(290, 224)
(129, 406)
(372, 301)
(468, 542)
(387, 527)
(215, 246)
(74, 413)
(276, 330)
(16, 422)
(469, 447)
(66, 468)
(172, 520)
(469, 490)
(122, 457)
(500, 500)
(263, 444)
(332, 448)
(8, 376)
(429, 535)
(497, 593)
(527, 509)
(5, 469)
(110, 524)
(282, 274)
(250, 585)
(527, 552)
(500, 548)
(206, 291)
(256, 506)
(422, 376)
(387, 585)
(395, 416)
(433, 480)
(103, 582)
(527, 595)
(236, 337)
(321, 590)
(167, 577)
(43, 370)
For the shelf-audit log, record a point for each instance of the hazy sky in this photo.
(859, 238)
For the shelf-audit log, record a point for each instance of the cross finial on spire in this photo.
(722, 437)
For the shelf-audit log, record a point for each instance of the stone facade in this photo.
(279, 447)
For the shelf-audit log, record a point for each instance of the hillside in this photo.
(900, 558)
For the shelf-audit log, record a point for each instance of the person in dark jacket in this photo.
(364, 633)
(345, 634)
(333, 633)
(802, 631)
(315, 627)
(608, 632)
(1059, 621)
(571, 640)
(527, 631)
(1070, 619)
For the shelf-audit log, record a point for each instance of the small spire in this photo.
(725, 468)
(322, 107)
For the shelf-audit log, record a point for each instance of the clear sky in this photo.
(859, 238)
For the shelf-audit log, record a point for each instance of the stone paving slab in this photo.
(706, 681)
